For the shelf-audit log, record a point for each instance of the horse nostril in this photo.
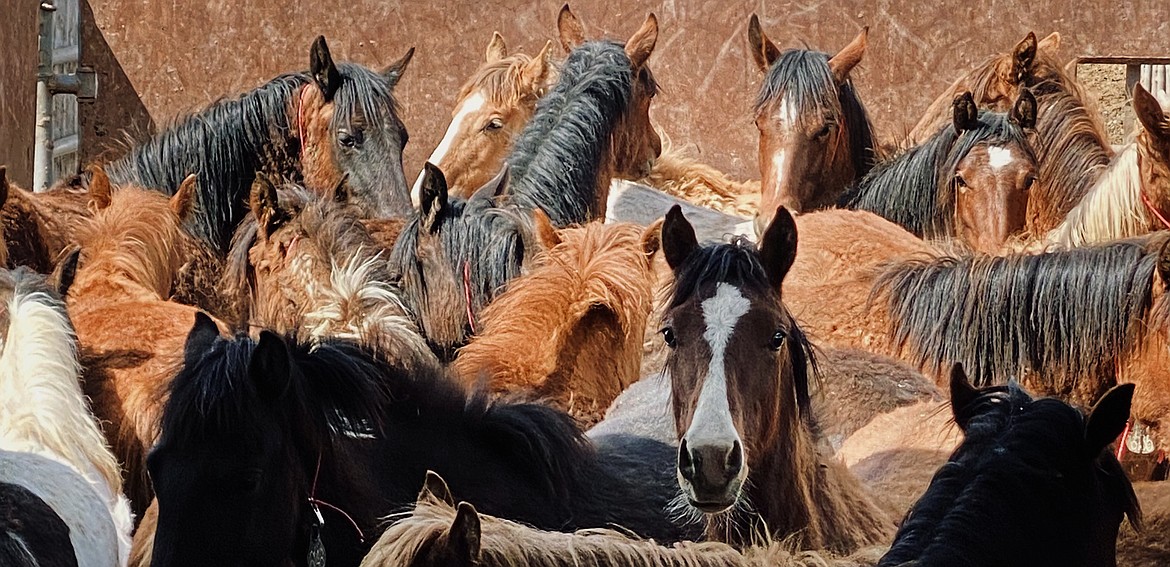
(686, 465)
(735, 460)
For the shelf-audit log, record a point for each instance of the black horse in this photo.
(31, 533)
(258, 433)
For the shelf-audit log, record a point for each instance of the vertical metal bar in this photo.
(43, 149)
(1133, 75)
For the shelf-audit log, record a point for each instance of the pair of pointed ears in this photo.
(270, 367)
(765, 53)
(777, 244)
(1104, 423)
(328, 79)
(966, 113)
(265, 205)
(463, 538)
(1150, 113)
(535, 73)
(638, 48)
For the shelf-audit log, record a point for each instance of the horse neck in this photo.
(1112, 209)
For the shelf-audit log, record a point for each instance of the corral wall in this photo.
(18, 88)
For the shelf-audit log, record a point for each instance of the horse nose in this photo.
(710, 466)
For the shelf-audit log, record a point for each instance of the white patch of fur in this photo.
(1112, 209)
(712, 420)
(43, 411)
(998, 157)
(778, 160)
(632, 202)
(471, 104)
(786, 112)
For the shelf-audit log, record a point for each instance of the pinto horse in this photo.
(1031, 484)
(816, 139)
(337, 120)
(747, 455)
(31, 533)
(970, 181)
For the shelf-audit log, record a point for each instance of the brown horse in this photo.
(748, 455)
(38, 227)
(492, 108)
(439, 533)
(571, 328)
(131, 337)
(815, 135)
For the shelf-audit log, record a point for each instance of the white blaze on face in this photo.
(998, 157)
(786, 117)
(471, 104)
(712, 419)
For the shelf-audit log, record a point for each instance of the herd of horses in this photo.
(252, 341)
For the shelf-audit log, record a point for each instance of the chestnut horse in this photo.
(337, 120)
(970, 181)
(38, 227)
(747, 455)
(593, 124)
(492, 108)
(570, 329)
(816, 139)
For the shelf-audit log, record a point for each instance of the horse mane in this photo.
(136, 244)
(227, 142)
(916, 189)
(500, 81)
(554, 163)
(1011, 445)
(1112, 209)
(738, 263)
(43, 407)
(678, 174)
(1070, 313)
(802, 79)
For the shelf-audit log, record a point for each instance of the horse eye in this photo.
(494, 124)
(960, 182)
(777, 340)
(668, 336)
(1029, 183)
(349, 140)
(824, 131)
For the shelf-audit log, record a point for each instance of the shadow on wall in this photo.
(118, 117)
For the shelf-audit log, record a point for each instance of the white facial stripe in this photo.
(786, 112)
(472, 104)
(998, 157)
(712, 419)
(778, 159)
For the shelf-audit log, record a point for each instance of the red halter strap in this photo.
(1154, 211)
(467, 295)
(317, 502)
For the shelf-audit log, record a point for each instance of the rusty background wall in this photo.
(158, 59)
(18, 88)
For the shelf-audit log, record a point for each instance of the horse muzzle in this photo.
(711, 474)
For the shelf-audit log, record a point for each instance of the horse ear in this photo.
(764, 52)
(546, 233)
(962, 395)
(66, 270)
(1024, 111)
(848, 58)
(641, 44)
(966, 115)
(393, 72)
(464, 537)
(569, 28)
(202, 335)
(537, 71)
(435, 488)
(322, 69)
(271, 367)
(1107, 419)
(678, 238)
(100, 191)
(3, 185)
(1023, 57)
(433, 198)
(265, 206)
(1150, 113)
(1050, 44)
(183, 201)
(652, 239)
(495, 186)
(496, 48)
(778, 246)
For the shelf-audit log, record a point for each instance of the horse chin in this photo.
(716, 501)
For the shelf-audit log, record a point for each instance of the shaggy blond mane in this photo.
(676, 173)
(502, 84)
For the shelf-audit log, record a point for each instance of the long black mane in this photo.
(227, 143)
(1011, 489)
(917, 189)
(555, 162)
(1064, 316)
(802, 78)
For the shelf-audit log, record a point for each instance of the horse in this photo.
(570, 329)
(50, 443)
(31, 533)
(307, 265)
(593, 125)
(337, 120)
(282, 428)
(816, 139)
(969, 181)
(130, 335)
(1131, 196)
(437, 532)
(747, 450)
(492, 108)
(38, 227)
(1147, 547)
(1032, 484)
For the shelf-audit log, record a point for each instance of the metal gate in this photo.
(66, 54)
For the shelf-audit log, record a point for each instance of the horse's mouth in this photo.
(711, 506)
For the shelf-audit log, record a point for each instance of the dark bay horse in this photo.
(816, 139)
(38, 227)
(739, 367)
(257, 433)
(1032, 484)
(970, 181)
(338, 119)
